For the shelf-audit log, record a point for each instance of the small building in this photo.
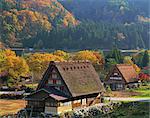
(66, 86)
(121, 76)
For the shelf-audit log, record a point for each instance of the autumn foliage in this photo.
(144, 77)
(13, 66)
(93, 56)
(39, 62)
(23, 19)
(127, 60)
(62, 54)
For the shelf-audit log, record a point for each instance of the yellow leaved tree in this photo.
(13, 65)
(38, 63)
(128, 60)
(62, 54)
(94, 57)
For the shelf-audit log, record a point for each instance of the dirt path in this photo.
(126, 99)
(121, 94)
(11, 106)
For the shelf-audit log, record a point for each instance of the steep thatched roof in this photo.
(128, 72)
(80, 77)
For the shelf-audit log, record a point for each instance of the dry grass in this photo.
(11, 106)
(122, 94)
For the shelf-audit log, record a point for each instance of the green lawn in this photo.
(144, 91)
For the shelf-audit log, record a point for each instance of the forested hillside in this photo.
(93, 35)
(95, 24)
(123, 11)
(24, 19)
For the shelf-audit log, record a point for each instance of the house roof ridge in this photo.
(123, 65)
(70, 61)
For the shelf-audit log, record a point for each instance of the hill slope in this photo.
(103, 24)
(23, 19)
(109, 10)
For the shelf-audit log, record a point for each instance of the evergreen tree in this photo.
(145, 59)
(39, 45)
(90, 35)
(109, 63)
(116, 54)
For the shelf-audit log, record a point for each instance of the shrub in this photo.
(95, 111)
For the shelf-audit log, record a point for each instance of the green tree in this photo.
(110, 62)
(116, 55)
(145, 59)
(39, 45)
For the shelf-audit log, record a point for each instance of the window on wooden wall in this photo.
(54, 76)
(35, 103)
(116, 78)
(50, 104)
(119, 86)
(115, 73)
(50, 81)
(77, 101)
(84, 101)
(62, 88)
(58, 82)
(54, 71)
(54, 81)
(65, 104)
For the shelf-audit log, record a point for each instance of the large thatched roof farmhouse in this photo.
(65, 86)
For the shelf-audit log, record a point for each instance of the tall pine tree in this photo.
(116, 54)
(145, 59)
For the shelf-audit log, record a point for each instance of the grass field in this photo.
(11, 106)
(141, 92)
(144, 93)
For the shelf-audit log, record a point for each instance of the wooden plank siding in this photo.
(66, 86)
(120, 76)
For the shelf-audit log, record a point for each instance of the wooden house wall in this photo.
(64, 107)
(115, 82)
(55, 107)
(1, 83)
(51, 102)
(51, 105)
(37, 106)
(51, 110)
(35, 103)
(53, 78)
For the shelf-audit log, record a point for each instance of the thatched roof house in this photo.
(73, 82)
(120, 76)
(79, 77)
